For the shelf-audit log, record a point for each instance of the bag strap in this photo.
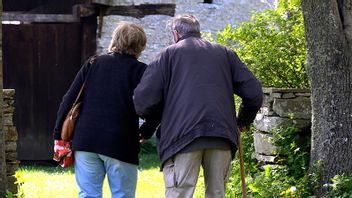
(79, 94)
(89, 61)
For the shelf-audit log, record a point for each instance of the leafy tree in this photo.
(272, 45)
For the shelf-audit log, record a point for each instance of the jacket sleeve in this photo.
(247, 87)
(69, 98)
(148, 95)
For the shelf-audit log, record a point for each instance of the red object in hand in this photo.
(63, 153)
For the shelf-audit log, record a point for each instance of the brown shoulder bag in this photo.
(69, 123)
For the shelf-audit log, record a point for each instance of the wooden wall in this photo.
(40, 6)
(40, 62)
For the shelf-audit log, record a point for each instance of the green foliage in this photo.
(149, 147)
(10, 194)
(288, 4)
(287, 179)
(272, 45)
(341, 186)
(295, 147)
(207, 36)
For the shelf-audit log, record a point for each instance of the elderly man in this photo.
(191, 83)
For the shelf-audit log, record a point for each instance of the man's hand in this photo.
(242, 129)
(141, 139)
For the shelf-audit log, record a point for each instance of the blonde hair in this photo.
(128, 38)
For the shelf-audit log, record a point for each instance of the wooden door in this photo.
(40, 61)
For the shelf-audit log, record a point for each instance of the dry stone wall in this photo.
(281, 107)
(213, 17)
(11, 137)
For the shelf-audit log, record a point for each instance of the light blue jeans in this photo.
(90, 171)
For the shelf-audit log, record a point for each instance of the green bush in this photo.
(272, 45)
(341, 186)
(149, 147)
(287, 179)
(295, 148)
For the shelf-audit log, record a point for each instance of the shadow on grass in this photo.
(148, 161)
(148, 158)
(45, 167)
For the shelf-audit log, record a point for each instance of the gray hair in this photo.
(185, 24)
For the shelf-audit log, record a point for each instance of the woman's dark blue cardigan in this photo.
(107, 123)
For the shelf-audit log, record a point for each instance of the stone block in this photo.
(303, 94)
(9, 93)
(263, 144)
(10, 102)
(264, 158)
(11, 167)
(267, 101)
(267, 111)
(298, 108)
(8, 121)
(266, 124)
(285, 90)
(11, 156)
(288, 95)
(11, 184)
(10, 146)
(276, 95)
(270, 123)
(8, 109)
(10, 133)
(267, 90)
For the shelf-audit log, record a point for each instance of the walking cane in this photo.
(240, 152)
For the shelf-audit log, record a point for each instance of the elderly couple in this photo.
(185, 95)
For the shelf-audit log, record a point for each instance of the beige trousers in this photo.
(181, 173)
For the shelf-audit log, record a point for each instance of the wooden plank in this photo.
(40, 18)
(89, 37)
(136, 2)
(41, 6)
(85, 10)
(142, 10)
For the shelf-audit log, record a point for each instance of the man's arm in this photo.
(247, 87)
(148, 94)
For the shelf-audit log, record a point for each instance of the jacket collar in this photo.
(123, 54)
(189, 35)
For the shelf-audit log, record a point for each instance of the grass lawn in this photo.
(55, 182)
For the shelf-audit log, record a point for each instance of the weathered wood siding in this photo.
(40, 62)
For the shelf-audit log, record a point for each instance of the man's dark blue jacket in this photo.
(192, 82)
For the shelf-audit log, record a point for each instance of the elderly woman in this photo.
(106, 137)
